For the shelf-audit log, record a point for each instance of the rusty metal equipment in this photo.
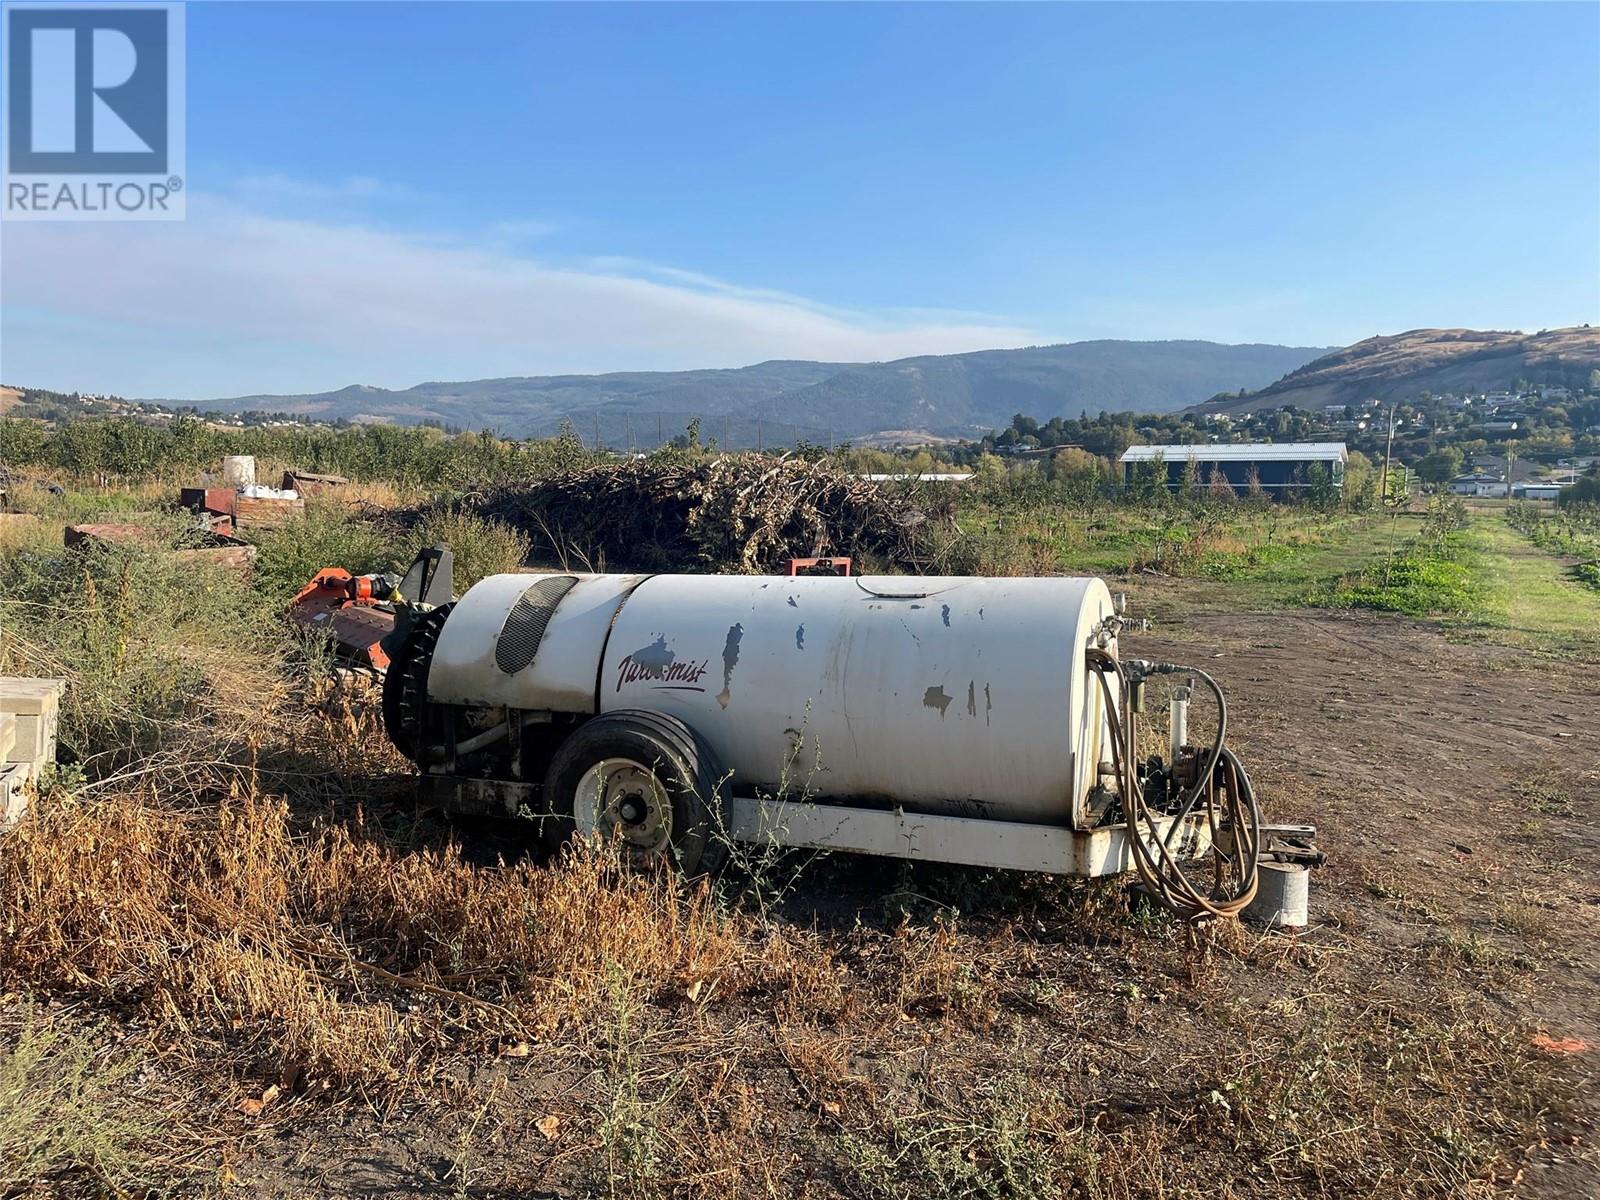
(250, 507)
(354, 612)
(359, 612)
(953, 719)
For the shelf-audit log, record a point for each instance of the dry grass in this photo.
(310, 951)
(718, 1052)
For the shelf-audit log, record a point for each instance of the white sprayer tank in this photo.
(949, 695)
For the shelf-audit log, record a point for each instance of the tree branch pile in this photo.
(734, 513)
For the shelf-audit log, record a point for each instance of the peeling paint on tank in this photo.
(654, 659)
(972, 697)
(944, 613)
(988, 704)
(793, 603)
(730, 659)
(937, 697)
(800, 637)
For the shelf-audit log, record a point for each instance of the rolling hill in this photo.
(775, 402)
(1402, 365)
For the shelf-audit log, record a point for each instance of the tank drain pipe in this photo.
(477, 741)
(1178, 724)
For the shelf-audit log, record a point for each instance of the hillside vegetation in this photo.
(1403, 365)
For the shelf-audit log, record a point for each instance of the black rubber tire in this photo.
(684, 764)
(405, 683)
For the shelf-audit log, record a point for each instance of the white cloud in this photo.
(235, 302)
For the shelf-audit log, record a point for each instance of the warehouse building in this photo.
(1280, 468)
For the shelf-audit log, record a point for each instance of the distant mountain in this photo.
(776, 402)
(1402, 365)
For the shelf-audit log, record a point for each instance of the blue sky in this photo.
(391, 193)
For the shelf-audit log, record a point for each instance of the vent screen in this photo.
(525, 624)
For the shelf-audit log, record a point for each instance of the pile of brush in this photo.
(746, 513)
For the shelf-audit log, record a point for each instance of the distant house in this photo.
(1481, 483)
(1556, 393)
(1279, 467)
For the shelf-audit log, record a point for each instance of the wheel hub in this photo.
(621, 798)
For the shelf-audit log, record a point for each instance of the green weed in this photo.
(65, 1111)
(327, 535)
(1008, 1143)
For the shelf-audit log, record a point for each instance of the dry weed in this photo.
(330, 952)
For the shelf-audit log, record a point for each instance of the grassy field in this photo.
(1535, 599)
(238, 960)
(1484, 581)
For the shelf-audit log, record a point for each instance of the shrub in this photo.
(146, 641)
(328, 535)
(482, 546)
(64, 1109)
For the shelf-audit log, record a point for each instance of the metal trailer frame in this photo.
(888, 833)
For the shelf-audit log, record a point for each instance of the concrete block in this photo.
(8, 735)
(35, 740)
(15, 791)
(35, 706)
(30, 694)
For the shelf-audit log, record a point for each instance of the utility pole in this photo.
(1388, 454)
(1394, 506)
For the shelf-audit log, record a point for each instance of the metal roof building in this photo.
(1279, 468)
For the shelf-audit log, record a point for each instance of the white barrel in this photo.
(239, 470)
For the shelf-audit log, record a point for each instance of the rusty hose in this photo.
(1232, 815)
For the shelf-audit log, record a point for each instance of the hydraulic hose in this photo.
(1233, 818)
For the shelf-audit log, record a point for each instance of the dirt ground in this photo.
(1390, 1050)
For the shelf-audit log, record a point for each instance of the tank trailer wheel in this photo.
(641, 778)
